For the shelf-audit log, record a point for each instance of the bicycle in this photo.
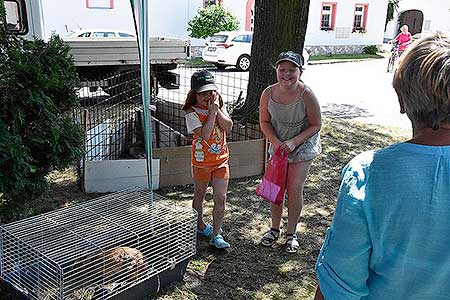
(393, 58)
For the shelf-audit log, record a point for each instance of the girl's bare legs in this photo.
(199, 195)
(220, 187)
(296, 176)
(276, 212)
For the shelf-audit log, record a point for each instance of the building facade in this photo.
(420, 16)
(336, 26)
(339, 26)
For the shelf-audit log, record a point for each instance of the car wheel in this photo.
(220, 67)
(243, 62)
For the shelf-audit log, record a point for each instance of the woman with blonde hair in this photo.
(391, 229)
(404, 38)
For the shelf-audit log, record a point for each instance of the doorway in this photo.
(413, 18)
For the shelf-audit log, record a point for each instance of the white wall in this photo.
(440, 15)
(436, 12)
(174, 24)
(344, 23)
(65, 17)
(237, 8)
(404, 5)
(169, 18)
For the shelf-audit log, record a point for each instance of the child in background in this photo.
(208, 120)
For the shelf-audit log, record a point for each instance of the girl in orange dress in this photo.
(208, 120)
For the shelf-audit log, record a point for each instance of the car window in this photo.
(249, 38)
(86, 34)
(218, 38)
(240, 39)
(123, 34)
(15, 17)
(104, 34)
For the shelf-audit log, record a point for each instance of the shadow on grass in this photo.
(247, 270)
(344, 111)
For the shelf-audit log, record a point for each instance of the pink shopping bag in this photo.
(273, 184)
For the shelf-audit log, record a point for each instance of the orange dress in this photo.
(213, 151)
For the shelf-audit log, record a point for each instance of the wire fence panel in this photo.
(98, 249)
(112, 113)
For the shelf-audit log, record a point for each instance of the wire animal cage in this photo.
(99, 249)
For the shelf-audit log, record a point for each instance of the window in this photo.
(360, 18)
(207, 3)
(103, 34)
(218, 38)
(102, 4)
(123, 34)
(86, 34)
(328, 16)
(246, 38)
(16, 17)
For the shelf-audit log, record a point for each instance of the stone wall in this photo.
(335, 49)
(196, 51)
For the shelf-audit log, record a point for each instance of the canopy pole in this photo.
(141, 20)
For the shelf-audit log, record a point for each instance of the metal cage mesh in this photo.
(98, 249)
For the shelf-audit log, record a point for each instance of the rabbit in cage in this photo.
(126, 258)
(117, 267)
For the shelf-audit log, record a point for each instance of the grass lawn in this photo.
(339, 57)
(248, 271)
(199, 63)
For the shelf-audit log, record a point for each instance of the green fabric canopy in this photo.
(141, 21)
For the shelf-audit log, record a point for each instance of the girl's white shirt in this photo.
(193, 121)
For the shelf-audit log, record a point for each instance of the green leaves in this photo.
(370, 49)
(393, 6)
(211, 20)
(38, 93)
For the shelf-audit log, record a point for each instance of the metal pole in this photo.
(144, 51)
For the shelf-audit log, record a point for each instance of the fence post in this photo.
(157, 134)
(84, 116)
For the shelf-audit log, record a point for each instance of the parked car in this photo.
(232, 48)
(102, 33)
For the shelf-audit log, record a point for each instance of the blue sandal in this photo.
(219, 242)
(208, 231)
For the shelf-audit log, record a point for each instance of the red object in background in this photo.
(273, 184)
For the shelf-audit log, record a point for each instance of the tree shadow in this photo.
(344, 111)
(247, 270)
(250, 271)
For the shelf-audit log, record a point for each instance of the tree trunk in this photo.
(280, 25)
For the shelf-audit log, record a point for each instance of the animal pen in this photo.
(112, 115)
(130, 243)
(134, 241)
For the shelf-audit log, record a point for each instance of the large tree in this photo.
(280, 25)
